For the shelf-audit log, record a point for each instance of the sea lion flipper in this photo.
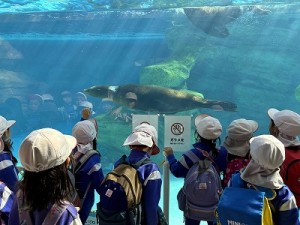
(221, 105)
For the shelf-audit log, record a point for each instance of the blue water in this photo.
(77, 5)
(51, 46)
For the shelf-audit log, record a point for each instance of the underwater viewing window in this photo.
(227, 58)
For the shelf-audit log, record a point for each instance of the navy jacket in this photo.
(150, 177)
(88, 177)
(8, 171)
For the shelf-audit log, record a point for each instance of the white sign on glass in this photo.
(178, 132)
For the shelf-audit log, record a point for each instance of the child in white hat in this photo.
(208, 131)
(45, 186)
(267, 154)
(239, 133)
(143, 144)
(89, 174)
(285, 125)
(8, 169)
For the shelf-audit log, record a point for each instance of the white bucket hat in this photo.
(144, 134)
(208, 127)
(287, 121)
(267, 151)
(5, 124)
(268, 154)
(44, 149)
(288, 124)
(239, 132)
(84, 132)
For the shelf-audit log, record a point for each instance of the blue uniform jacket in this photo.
(8, 171)
(6, 200)
(284, 202)
(150, 177)
(89, 176)
(180, 168)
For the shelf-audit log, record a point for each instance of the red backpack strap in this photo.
(208, 156)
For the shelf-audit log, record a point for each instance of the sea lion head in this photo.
(101, 91)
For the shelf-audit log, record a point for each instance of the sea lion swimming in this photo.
(157, 99)
(213, 20)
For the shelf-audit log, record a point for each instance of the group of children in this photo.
(45, 110)
(58, 181)
(48, 193)
(247, 160)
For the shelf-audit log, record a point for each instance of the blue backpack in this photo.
(245, 206)
(120, 195)
(199, 196)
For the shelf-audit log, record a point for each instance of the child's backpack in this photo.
(120, 195)
(199, 197)
(6, 199)
(233, 166)
(245, 206)
(51, 218)
(76, 166)
(290, 172)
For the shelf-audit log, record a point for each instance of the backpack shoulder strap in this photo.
(208, 156)
(24, 216)
(52, 217)
(55, 213)
(269, 196)
(86, 192)
(269, 193)
(192, 156)
(83, 159)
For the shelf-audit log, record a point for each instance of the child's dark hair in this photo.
(49, 186)
(8, 148)
(211, 143)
